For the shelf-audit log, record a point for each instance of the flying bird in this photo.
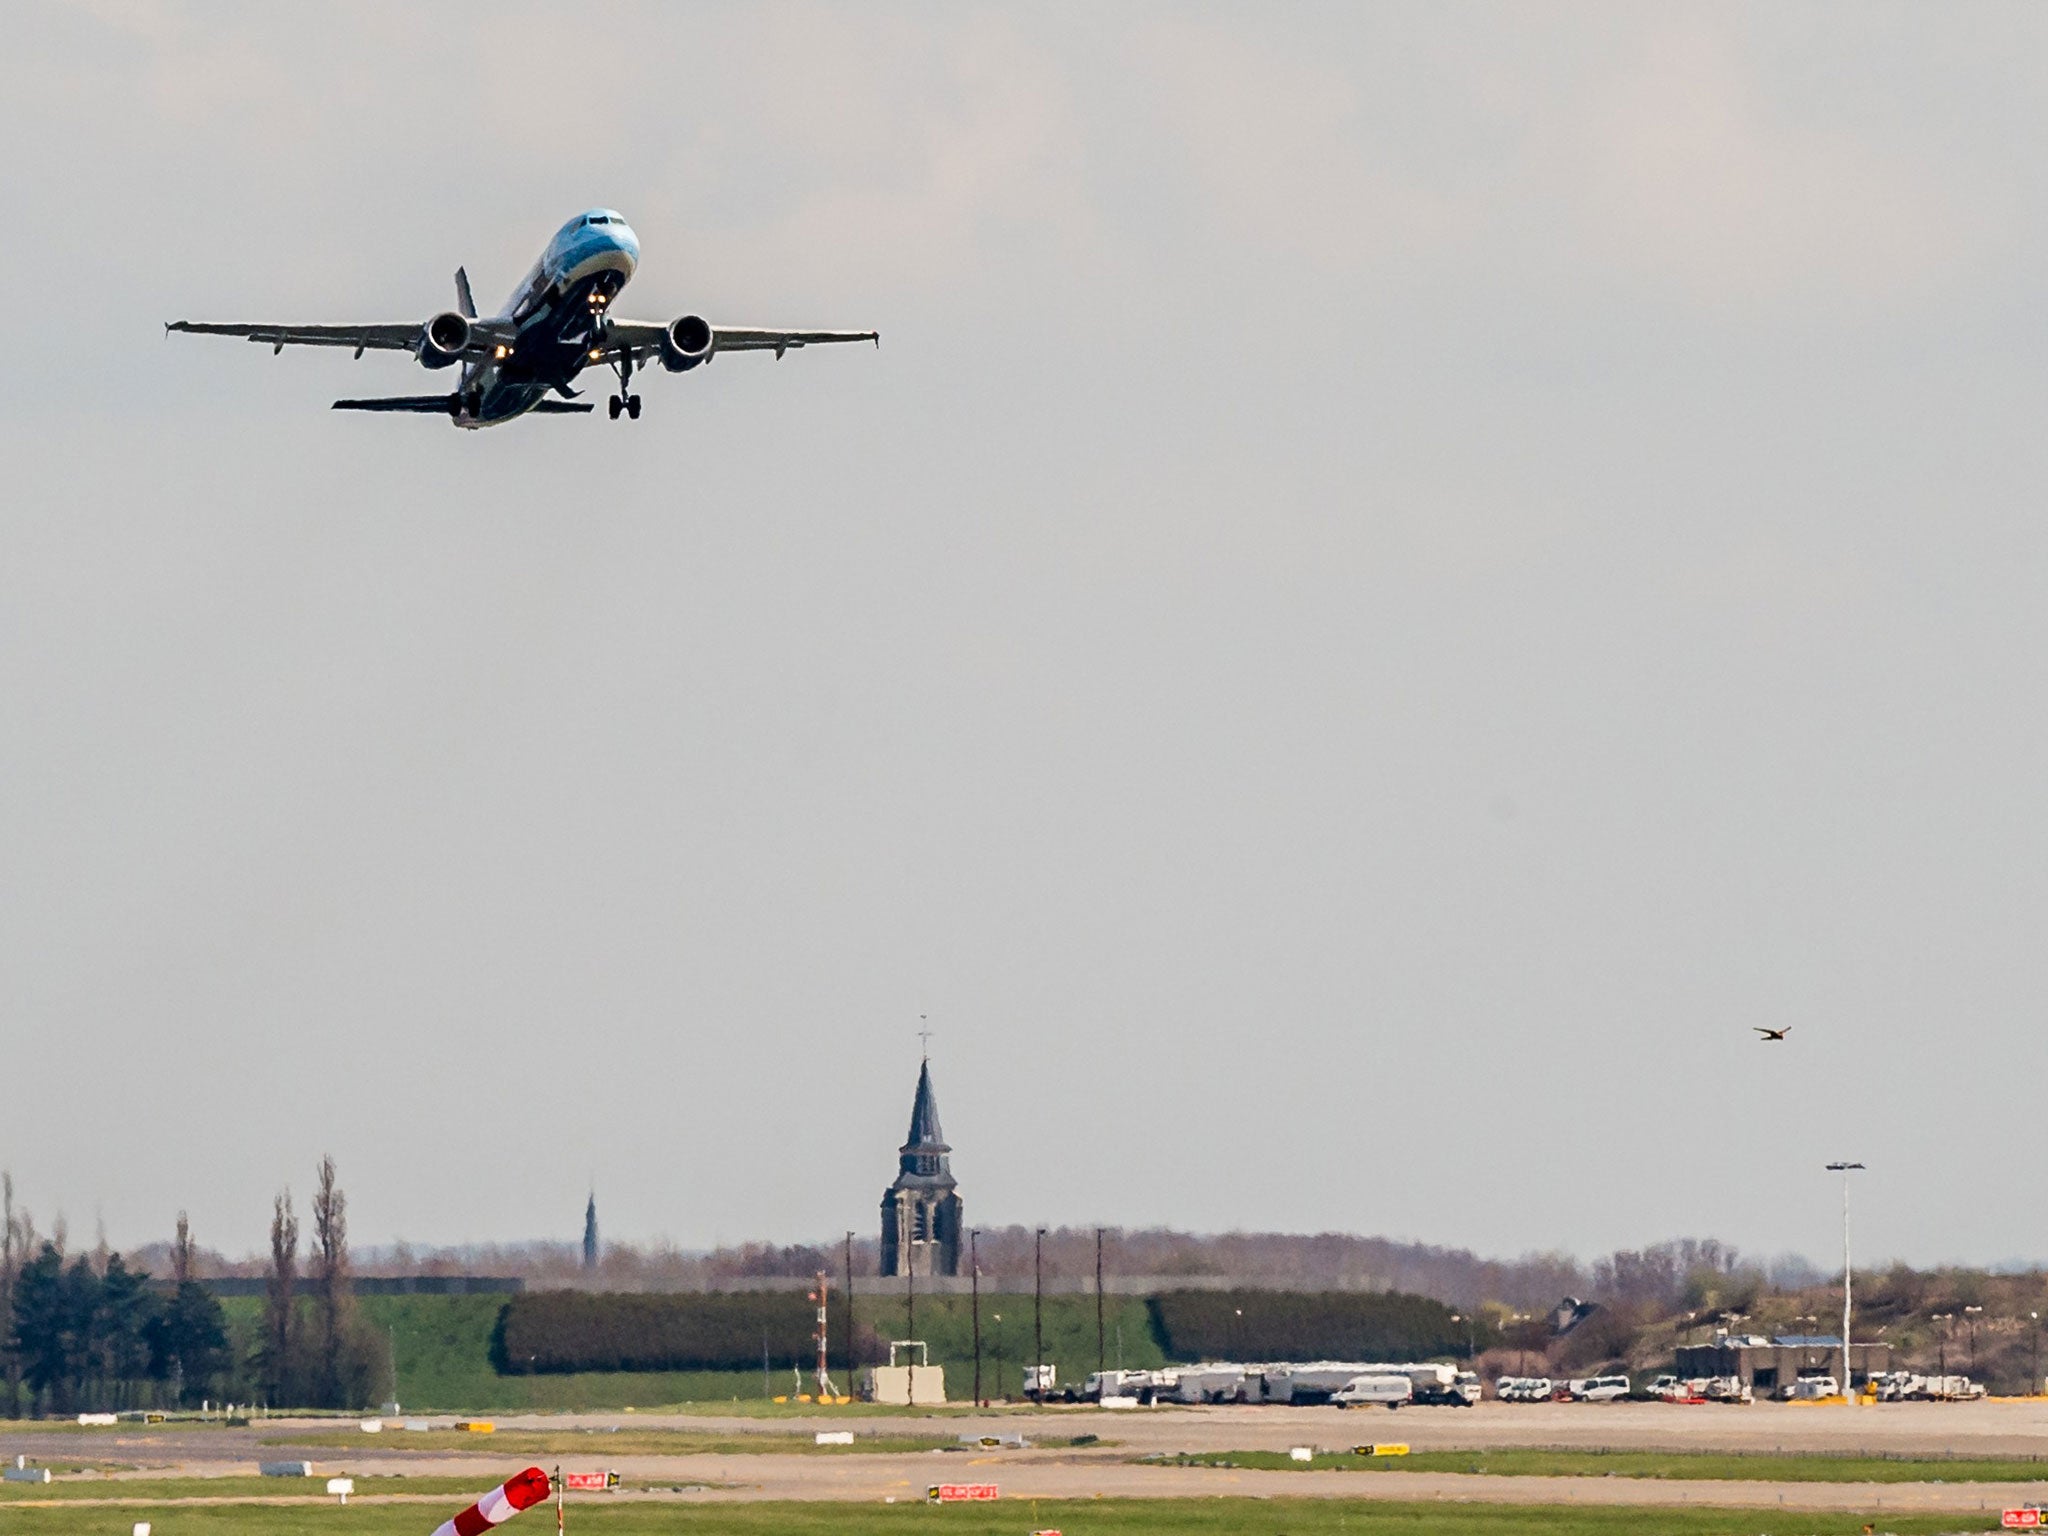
(1772, 1034)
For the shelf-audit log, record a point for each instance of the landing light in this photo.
(501, 351)
(595, 354)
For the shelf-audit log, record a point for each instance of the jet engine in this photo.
(444, 339)
(686, 343)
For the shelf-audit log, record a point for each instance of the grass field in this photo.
(441, 1347)
(1709, 1466)
(1108, 1517)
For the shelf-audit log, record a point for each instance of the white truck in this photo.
(1118, 1384)
(1317, 1382)
(1211, 1383)
(1383, 1390)
(1441, 1384)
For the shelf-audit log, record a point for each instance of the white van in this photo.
(1365, 1391)
(1598, 1389)
(1810, 1388)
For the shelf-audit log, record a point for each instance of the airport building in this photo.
(921, 1222)
(1768, 1365)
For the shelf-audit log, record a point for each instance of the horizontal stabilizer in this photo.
(424, 405)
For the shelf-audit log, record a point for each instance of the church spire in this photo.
(921, 1212)
(926, 1140)
(590, 1232)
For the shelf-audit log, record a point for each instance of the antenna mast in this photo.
(825, 1387)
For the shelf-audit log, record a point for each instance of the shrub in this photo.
(1316, 1325)
(551, 1331)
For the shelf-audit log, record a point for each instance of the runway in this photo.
(1108, 1470)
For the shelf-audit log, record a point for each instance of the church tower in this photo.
(921, 1210)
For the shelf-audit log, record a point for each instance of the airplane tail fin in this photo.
(463, 301)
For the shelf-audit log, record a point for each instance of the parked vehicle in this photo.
(1523, 1389)
(1675, 1389)
(1597, 1389)
(1369, 1391)
(1728, 1389)
(1101, 1384)
(1808, 1388)
(1438, 1383)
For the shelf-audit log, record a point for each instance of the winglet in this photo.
(463, 301)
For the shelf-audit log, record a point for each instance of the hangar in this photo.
(1769, 1364)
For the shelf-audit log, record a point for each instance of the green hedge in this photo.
(1299, 1325)
(554, 1331)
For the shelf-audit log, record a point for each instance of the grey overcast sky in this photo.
(1403, 575)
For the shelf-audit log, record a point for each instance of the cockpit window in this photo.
(600, 218)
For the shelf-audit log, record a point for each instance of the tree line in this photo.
(1296, 1325)
(91, 1332)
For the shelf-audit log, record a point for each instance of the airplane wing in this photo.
(483, 335)
(642, 339)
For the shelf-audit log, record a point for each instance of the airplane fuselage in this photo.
(558, 313)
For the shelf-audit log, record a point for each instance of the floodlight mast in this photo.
(1845, 1169)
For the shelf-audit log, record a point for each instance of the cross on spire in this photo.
(925, 1037)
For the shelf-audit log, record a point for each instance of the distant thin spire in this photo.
(590, 1232)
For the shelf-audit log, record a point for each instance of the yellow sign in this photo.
(1379, 1450)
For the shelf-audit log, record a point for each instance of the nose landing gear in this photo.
(625, 400)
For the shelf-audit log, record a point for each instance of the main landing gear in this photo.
(625, 400)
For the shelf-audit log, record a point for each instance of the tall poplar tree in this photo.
(279, 1322)
(336, 1296)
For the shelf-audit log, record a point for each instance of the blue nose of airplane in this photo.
(593, 242)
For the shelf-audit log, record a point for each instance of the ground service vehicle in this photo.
(1597, 1389)
(1366, 1391)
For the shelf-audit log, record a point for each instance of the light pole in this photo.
(1001, 1390)
(1101, 1343)
(1970, 1314)
(1038, 1313)
(974, 1268)
(1943, 1318)
(1845, 1169)
(2034, 1386)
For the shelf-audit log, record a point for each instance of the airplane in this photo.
(559, 322)
(1771, 1034)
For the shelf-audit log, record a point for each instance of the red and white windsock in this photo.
(523, 1491)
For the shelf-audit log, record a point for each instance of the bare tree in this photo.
(330, 1274)
(278, 1329)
